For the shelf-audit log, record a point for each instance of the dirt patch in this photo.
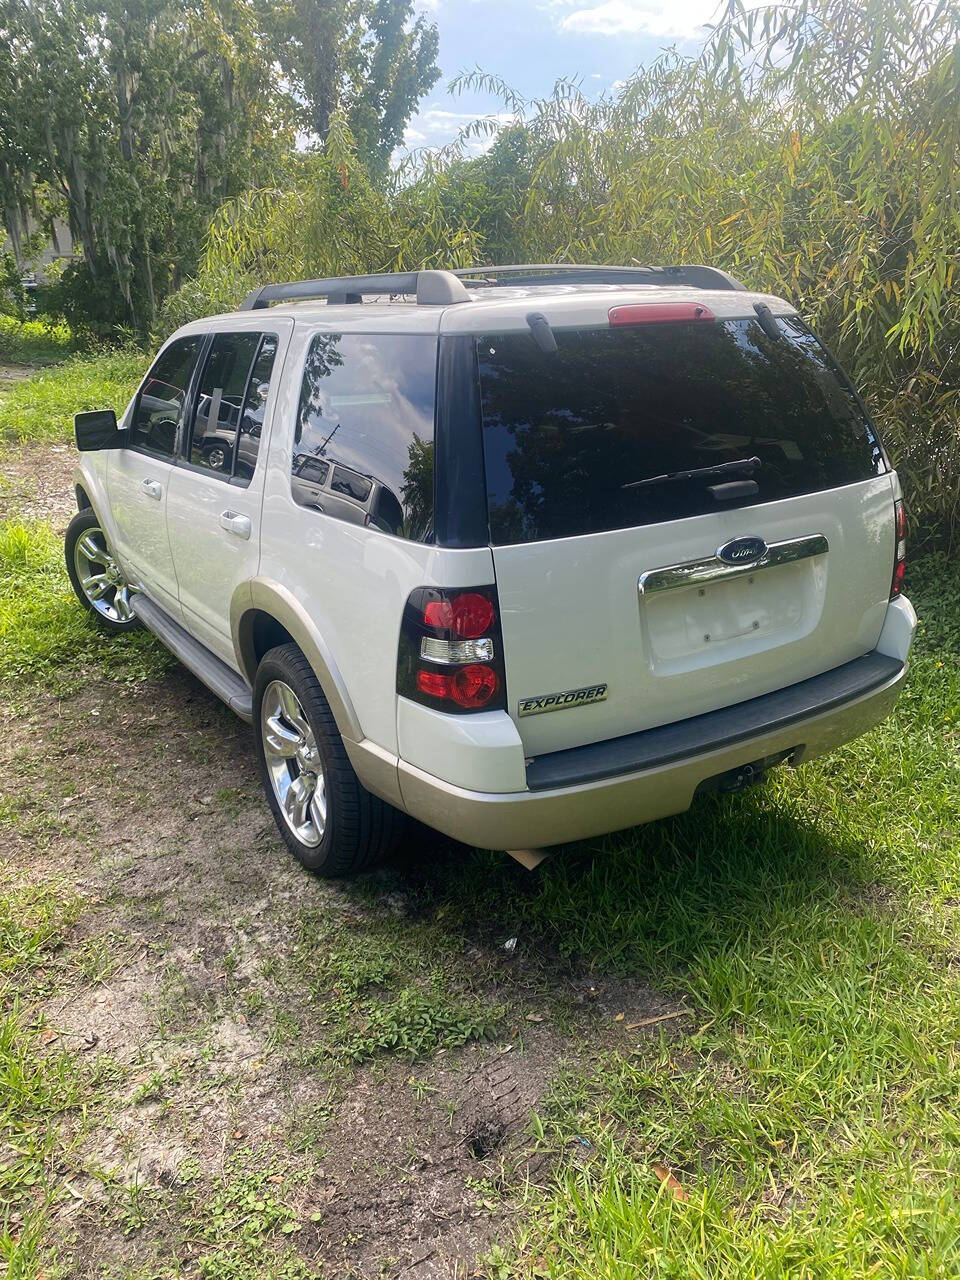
(36, 483)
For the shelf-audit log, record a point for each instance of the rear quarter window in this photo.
(364, 435)
(591, 437)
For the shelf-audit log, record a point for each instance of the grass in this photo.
(378, 986)
(45, 635)
(811, 929)
(38, 1085)
(41, 408)
(33, 341)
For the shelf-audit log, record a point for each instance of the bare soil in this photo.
(36, 482)
(184, 999)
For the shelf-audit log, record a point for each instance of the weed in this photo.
(45, 635)
(41, 408)
(241, 1227)
(33, 341)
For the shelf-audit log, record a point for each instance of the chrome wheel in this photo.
(293, 763)
(216, 458)
(100, 577)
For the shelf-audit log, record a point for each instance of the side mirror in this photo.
(98, 430)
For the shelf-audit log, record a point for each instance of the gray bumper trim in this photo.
(669, 743)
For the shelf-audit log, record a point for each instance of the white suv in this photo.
(529, 553)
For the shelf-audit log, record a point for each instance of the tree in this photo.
(142, 116)
(369, 59)
(811, 149)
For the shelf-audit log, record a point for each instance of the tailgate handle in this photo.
(713, 569)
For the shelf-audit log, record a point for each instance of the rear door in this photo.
(216, 490)
(138, 477)
(685, 514)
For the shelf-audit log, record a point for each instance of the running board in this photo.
(220, 679)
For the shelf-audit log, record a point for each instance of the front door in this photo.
(138, 476)
(215, 491)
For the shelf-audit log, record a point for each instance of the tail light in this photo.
(659, 313)
(900, 555)
(451, 650)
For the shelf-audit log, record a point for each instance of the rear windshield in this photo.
(591, 437)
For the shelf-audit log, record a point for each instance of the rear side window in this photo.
(230, 403)
(592, 437)
(161, 402)
(363, 441)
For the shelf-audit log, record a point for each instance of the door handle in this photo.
(152, 489)
(233, 523)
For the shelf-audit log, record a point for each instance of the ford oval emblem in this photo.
(742, 551)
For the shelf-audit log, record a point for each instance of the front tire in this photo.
(95, 575)
(331, 824)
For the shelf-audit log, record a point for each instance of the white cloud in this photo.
(680, 19)
(434, 126)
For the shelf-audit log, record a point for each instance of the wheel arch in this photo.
(264, 614)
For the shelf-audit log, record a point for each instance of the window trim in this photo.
(173, 458)
(186, 440)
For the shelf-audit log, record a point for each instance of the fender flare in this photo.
(263, 595)
(94, 486)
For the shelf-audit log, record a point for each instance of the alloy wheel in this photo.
(293, 763)
(100, 577)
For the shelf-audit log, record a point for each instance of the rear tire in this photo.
(331, 824)
(95, 575)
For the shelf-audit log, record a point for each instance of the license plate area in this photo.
(701, 625)
(744, 776)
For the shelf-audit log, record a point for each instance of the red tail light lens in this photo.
(471, 687)
(900, 553)
(451, 650)
(469, 615)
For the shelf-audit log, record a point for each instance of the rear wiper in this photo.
(721, 469)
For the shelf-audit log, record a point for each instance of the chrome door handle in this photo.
(233, 523)
(152, 489)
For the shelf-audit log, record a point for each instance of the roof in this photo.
(501, 309)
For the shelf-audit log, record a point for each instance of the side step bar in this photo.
(196, 657)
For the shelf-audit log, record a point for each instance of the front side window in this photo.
(626, 426)
(161, 402)
(363, 441)
(230, 403)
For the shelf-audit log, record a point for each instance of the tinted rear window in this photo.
(589, 437)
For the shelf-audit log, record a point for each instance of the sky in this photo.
(532, 43)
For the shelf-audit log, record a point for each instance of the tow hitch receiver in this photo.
(744, 775)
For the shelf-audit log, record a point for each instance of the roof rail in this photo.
(432, 288)
(551, 273)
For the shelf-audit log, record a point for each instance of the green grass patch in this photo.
(379, 985)
(38, 1083)
(810, 1110)
(45, 634)
(41, 408)
(34, 341)
(244, 1224)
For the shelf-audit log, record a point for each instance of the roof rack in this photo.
(550, 273)
(443, 288)
(432, 288)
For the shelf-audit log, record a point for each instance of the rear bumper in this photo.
(572, 795)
